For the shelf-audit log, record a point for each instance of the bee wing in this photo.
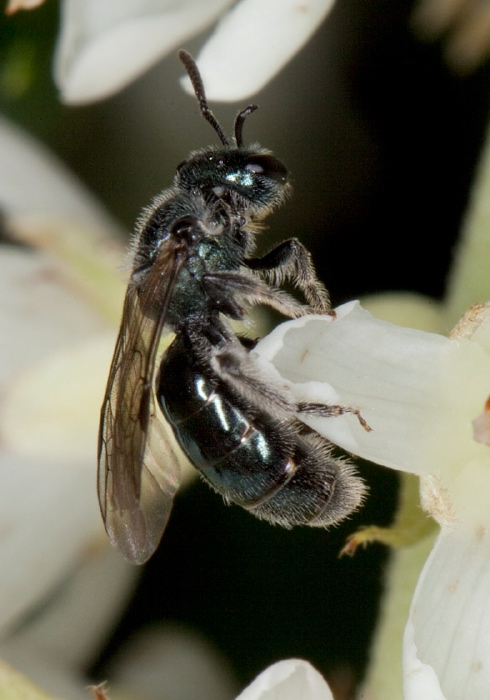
(138, 470)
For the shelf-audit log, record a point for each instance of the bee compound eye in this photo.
(267, 165)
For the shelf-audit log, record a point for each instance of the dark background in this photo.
(382, 141)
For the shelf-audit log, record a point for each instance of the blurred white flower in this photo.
(54, 357)
(57, 644)
(420, 393)
(171, 661)
(53, 360)
(103, 46)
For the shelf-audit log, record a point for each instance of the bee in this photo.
(194, 270)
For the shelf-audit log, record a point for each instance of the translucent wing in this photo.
(138, 470)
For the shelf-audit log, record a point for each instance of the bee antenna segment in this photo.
(239, 120)
(196, 80)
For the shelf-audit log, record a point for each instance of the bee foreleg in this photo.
(291, 261)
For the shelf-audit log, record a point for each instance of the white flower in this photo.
(105, 44)
(420, 393)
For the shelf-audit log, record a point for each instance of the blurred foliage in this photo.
(27, 92)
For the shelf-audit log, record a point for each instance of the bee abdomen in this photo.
(250, 458)
(322, 491)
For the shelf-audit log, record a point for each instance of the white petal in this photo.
(48, 517)
(105, 45)
(75, 622)
(288, 680)
(48, 508)
(418, 391)
(165, 657)
(53, 407)
(253, 42)
(420, 679)
(38, 314)
(448, 634)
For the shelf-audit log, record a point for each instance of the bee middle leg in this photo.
(222, 287)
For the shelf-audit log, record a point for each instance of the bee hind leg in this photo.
(326, 411)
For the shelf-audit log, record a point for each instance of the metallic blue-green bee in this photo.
(193, 269)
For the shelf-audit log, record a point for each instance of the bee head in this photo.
(258, 178)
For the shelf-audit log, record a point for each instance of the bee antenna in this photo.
(239, 120)
(196, 80)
